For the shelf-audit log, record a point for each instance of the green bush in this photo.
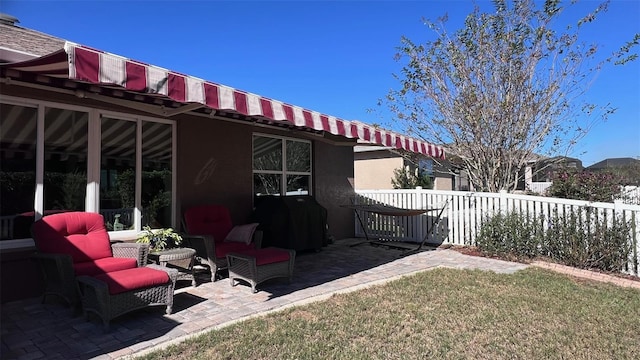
(512, 234)
(404, 178)
(580, 238)
(584, 240)
(589, 186)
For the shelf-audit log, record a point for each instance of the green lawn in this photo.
(442, 314)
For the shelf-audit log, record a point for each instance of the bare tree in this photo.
(503, 88)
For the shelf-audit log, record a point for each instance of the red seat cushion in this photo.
(79, 234)
(267, 255)
(104, 265)
(223, 248)
(212, 220)
(132, 279)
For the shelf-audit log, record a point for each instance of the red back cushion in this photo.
(79, 234)
(208, 220)
(225, 247)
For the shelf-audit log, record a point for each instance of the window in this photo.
(118, 180)
(56, 158)
(156, 174)
(65, 160)
(281, 166)
(426, 167)
(18, 126)
(118, 173)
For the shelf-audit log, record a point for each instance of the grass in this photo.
(443, 314)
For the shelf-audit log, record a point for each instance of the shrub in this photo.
(585, 240)
(512, 234)
(580, 238)
(404, 178)
(590, 186)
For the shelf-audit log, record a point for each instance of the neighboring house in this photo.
(614, 163)
(374, 168)
(82, 129)
(627, 168)
(538, 175)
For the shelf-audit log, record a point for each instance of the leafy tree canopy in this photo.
(405, 178)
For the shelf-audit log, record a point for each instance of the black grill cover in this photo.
(292, 222)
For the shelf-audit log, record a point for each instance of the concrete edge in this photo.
(587, 274)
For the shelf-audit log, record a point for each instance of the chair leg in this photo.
(214, 273)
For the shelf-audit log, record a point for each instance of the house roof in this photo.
(29, 42)
(613, 162)
(82, 64)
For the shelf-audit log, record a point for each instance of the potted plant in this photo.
(159, 239)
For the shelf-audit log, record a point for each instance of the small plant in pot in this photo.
(159, 239)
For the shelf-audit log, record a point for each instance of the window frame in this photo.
(283, 173)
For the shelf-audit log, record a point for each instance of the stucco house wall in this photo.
(373, 168)
(373, 171)
(215, 166)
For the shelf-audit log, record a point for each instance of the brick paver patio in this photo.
(31, 330)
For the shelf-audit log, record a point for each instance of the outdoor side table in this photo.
(180, 259)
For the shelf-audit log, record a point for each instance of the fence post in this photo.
(417, 198)
(503, 201)
(419, 225)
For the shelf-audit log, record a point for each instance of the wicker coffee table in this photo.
(180, 259)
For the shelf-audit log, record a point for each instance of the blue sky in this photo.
(335, 57)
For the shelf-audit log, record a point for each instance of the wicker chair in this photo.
(74, 244)
(207, 227)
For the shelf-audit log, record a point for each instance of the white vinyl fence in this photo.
(630, 195)
(465, 212)
(540, 187)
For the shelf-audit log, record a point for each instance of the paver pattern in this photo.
(32, 330)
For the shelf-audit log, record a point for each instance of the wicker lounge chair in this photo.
(207, 230)
(74, 247)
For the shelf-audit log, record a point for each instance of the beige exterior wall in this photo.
(443, 183)
(374, 172)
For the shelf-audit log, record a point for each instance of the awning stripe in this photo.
(240, 103)
(211, 95)
(86, 64)
(156, 80)
(195, 90)
(177, 87)
(136, 77)
(267, 108)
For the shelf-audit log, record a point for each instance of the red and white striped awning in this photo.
(82, 63)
